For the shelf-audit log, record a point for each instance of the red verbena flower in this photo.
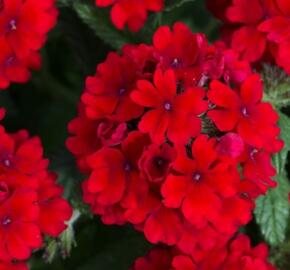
(243, 111)
(105, 96)
(259, 35)
(30, 201)
(130, 12)
(138, 139)
(198, 183)
(173, 115)
(114, 169)
(236, 254)
(24, 25)
(13, 266)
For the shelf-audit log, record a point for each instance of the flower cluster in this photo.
(132, 13)
(24, 25)
(176, 140)
(31, 205)
(259, 35)
(238, 254)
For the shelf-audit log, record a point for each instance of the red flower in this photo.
(30, 201)
(197, 182)
(15, 69)
(91, 135)
(130, 12)
(155, 162)
(164, 225)
(25, 24)
(237, 254)
(19, 232)
(12, 266)
(242, 256)
(181, 51)
(54, 210)
(156, 259)
(255, 121)
(258, 168)
(172, 114)
(218, 8)
(23, 29)
(114, 169)
(107, 97)
(265, 29)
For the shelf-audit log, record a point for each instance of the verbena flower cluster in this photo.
(31, 203)
(176, 140)
(237, 255)
(24, 25)
(265, 27)
(131, 13)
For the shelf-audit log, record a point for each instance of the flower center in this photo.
(196, 177)
(168, 106)
(9, 61)
(127, 167)
(6, 221)
(13, 25)
(175, 63)
(245, 111)
(253, 153)
(159, 161)
(122, 91)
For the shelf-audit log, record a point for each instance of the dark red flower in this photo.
(24, 25)
(13, 266)
(115, 169)
(90, 135)
(108, 92)
(173, 115)
(130, 12)
(156, 160)
(243, 111)
(54, 210)
(15, 69)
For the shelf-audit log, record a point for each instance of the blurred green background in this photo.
(45, 105)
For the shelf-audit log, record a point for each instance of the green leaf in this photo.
(272, 212)
(100, 23)
(281, 159)
(51, 251)
(67, 238)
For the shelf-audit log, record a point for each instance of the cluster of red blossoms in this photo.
(237, 255)
(31, 205)
(176, 140)
(24, 25)
(131, 12)
(261, 34)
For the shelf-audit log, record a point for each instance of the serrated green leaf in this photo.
(272, 212)
(280, 160)
(97, 20)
